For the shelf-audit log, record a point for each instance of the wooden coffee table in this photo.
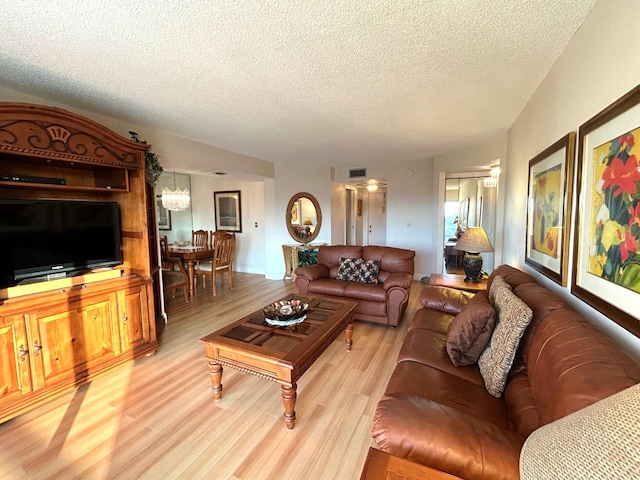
(279, 354)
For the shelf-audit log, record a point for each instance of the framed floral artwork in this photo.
(228, 210)
(606, 262)
(549, 209)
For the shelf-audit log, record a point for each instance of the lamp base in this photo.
(472, 265)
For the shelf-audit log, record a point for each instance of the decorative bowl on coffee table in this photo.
(285, 312)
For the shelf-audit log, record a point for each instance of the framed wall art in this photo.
(228, 210)
(606, 262)
(295, 213)
(463, 214)
(163, 216)
(549, 209)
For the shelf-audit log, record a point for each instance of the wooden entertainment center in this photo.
(59, 334)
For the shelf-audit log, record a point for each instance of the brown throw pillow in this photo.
(470, 330)
(495, 362)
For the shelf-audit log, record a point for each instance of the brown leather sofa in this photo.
(441, 416)
(383, 302)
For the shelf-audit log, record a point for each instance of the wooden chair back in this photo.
(199, 238)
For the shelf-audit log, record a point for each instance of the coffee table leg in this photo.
(215, 373)
(289, 401)
(348, 332)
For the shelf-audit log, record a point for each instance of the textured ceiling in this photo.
(342, 83)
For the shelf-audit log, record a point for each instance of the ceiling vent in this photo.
(358, 173)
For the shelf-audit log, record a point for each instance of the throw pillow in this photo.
(497, 284)
(495, 362)
(470, 331)
(369, 271)
(349, 269)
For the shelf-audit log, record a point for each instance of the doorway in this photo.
(350, 217)
(377, 217)
(468, 202)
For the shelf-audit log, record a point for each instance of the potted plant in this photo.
(154, 169)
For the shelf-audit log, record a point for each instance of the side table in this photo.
(383, 466)
(456, 281)
(290, 254)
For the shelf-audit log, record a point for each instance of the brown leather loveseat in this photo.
(442, 416)
(383, 301)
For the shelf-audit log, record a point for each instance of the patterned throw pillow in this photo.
(349, 269)
(497, 284)
(495, 362)
(369, 271)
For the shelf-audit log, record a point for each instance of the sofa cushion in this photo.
(470, 331)
(522, 410)
(392, 260)
(429, 348)
(373, 292)
(432, 320)
(349, 269)
(330, 255)
(327, 286)
(571, 365)
(511, 275)
(445, 299)
(445, 438)
(369, 271)
(447, 389)
(541, 301)
(495, 362)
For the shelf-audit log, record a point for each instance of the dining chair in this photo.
(224, 247)
(173, 279)
(199, 238)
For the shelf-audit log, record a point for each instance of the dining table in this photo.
(190, 255)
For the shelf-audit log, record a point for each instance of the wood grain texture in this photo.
(155, 417)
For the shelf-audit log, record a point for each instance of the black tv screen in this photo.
(39, 238)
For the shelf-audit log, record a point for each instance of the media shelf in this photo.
(62, 333)
(36, 172)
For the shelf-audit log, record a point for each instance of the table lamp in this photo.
(307, 221)
(473, 241)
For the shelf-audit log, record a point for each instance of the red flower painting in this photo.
(615, 230)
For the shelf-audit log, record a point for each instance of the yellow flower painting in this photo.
(546, 211)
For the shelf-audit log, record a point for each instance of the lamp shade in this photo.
(307, 221)
(475, 240)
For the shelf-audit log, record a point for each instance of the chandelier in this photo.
(492, 181)
(177, 199)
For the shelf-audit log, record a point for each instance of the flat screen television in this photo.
(46, 238)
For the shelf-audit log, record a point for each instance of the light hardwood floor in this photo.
(155, 418)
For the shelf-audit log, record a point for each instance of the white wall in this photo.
(599, 65)
(250, 244)
(410, 209)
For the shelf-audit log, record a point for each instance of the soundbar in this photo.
(32, 179)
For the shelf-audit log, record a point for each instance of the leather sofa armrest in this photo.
(313, 272)
(444, 438)
(445, 299)
(398, 279)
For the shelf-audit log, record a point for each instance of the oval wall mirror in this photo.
(303, 217)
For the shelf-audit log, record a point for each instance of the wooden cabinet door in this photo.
(134, 317)
(15, 377)
(75, 338)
